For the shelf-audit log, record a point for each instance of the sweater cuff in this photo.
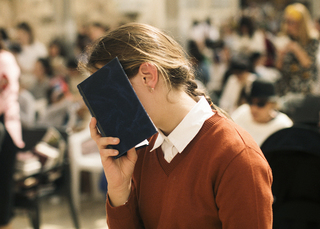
(121, 212)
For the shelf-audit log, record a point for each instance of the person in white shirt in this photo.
(259, 116)
(31, 51)
(237, 84)
(248, 39)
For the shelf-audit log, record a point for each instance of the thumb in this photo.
(132, 155)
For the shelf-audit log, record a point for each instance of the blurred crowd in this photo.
(261, 66)
(281, 47)
(49, 76)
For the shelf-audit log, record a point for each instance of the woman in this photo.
(247, 39)
(42, 73)
(11, 132)
(296, 58)
(31, 51)
(197, 172)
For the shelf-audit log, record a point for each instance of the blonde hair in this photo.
(136, 43)
(300, 13)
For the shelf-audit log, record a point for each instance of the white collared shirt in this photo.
(187, 129)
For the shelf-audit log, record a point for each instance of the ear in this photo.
(149, 75)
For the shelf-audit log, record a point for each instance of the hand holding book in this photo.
(117, 172)
(111, 99)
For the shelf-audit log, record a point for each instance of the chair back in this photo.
(294, 157)
(75, 144)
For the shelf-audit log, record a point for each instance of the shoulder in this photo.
(241, 111)
(227, 137)
(6, 56)
(230, 149)
(284, 120)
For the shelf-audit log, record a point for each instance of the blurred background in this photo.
(66, 18)
(233, 43)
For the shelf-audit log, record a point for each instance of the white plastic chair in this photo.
(89, 162)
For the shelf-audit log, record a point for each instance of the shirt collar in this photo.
(188, 128)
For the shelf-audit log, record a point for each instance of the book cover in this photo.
(112, 100)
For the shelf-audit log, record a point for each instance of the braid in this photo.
(194, 92)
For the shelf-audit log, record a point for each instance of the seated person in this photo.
(237, 84)
(259, 115)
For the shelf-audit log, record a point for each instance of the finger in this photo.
(106, 153)
(93, 129)
(132, 155)
(103, 142)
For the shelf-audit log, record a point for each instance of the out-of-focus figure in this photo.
(57, 57)
(31, 51)
(259, 116)
(248, 39)
(96, 30)
(237, 84)
(10, 132)
(297, 52)
(74, 77)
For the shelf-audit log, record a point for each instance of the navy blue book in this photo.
(111, 99)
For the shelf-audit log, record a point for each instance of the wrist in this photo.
(120, 195)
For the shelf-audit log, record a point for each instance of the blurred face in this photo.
(23, 37)
(244, 30)
(242, 76)
(54, 50)
(95, 32)
(292, 25)
(39, 70)
(318, 25)
(261, 110)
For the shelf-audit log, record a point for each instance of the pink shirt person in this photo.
(9, 105)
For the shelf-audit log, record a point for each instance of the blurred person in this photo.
(5, 38)
(297, 52)
(196, 48)
(82, 40)
(317, 24)
(200, 170)
(237, 84)
(31, 51)
(74, 77)
(213, 39)
(247, 38)
(43, 74)
(27, 104)
(57, 57)
(11, 133)
(258, 66)
(60, 111)
(96, 30)
(259, 116)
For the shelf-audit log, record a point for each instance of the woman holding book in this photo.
(201, 170)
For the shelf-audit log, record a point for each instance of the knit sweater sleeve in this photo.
(248, 202)
(125, 216)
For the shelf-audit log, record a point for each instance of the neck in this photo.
(177, 106)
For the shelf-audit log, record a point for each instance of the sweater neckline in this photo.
(169, 167)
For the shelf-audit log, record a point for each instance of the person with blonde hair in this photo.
(200, 170)
(297, 56)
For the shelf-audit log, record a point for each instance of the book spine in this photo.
(91, 111)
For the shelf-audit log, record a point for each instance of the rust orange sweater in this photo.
(220, 180)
